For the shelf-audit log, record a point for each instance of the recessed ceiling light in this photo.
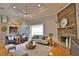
(14, 7)
(39, 5)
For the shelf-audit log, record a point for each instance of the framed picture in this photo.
(4, 19)
(12, 29)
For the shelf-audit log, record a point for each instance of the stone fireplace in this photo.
(70, 29)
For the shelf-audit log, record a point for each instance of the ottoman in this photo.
(10, 46)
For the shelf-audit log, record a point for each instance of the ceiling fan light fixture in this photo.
(25, 15)
(23, 11)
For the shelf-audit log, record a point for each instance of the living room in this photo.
(26, 27)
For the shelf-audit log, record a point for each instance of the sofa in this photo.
(40, 39)
(12, 40)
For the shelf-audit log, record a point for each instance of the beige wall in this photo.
(49, 24)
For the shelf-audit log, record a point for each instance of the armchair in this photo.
(8, 41)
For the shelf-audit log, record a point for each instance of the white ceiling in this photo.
(30, 10)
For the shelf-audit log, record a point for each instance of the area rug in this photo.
(39, 50)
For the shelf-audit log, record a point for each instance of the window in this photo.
(37, 29)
